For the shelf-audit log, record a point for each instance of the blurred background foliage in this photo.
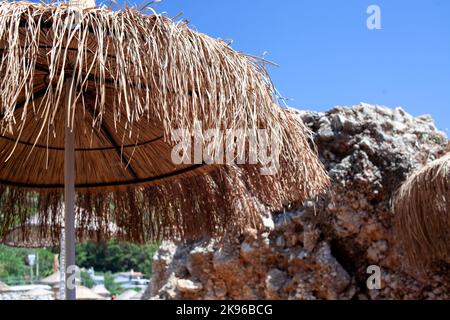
(106, 258)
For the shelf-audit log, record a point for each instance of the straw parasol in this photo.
(84, 293)
(4, 287)
(422, 209)
(52, 280)
(89, 101)
(101, 290)
(55, 279)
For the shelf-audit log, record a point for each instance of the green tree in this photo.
(86, 279)
(112, 256)
(116, 256)
(14, 268)
(111, 286)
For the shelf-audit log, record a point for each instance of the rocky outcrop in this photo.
(324, 249)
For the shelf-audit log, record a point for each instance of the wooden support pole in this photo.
(69, 196)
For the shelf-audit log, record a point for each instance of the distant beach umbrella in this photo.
(101, 290)
(4, 287)
(52, 280)
(55, 279)
(422, 210)
(84, 293)
(90, 99)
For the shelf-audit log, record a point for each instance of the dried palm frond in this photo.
(422, 209)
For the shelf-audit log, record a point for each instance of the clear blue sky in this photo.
(328, 57)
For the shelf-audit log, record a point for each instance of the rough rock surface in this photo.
(323, 250)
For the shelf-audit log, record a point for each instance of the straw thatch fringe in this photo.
(224, 200)
(228, 200)
(422, 209)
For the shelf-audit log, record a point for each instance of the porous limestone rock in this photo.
(322, 250)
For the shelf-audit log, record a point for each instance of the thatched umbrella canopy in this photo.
(89, 101)
(52, 280)
(55, 279)
(135, 77)
(4, 287)
(101, 290)
(422, 209)
(84, 293)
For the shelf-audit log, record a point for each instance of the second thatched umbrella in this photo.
(422, 209)
(89, 99)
